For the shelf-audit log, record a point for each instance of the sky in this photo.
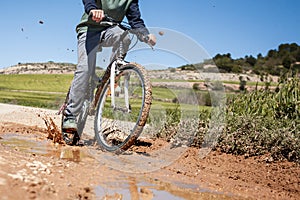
(42, 31)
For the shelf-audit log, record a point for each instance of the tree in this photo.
(288, 61)
(276, 62)
(242, 83)
(259, 56)
(294, 47)
(224, 63)
(250, 60)
(272, 53)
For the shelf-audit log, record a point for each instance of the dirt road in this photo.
(33, 167)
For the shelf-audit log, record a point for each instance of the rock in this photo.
(2, 181)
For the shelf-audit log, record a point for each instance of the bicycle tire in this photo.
(115, 120)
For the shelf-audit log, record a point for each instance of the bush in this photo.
(252, 135)
(257, 123)
(265, 121)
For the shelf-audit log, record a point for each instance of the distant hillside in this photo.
(40, 68)
(167, 74)
(277, 62)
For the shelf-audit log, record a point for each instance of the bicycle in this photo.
(120, 102)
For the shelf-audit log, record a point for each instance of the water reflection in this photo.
(145, 188)
(134, 190)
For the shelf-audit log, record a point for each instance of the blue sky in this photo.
(239, 27)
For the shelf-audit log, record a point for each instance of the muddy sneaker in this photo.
(69, 124)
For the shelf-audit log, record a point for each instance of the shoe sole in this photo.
(69, 130)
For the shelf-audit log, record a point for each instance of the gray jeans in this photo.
(88, 45)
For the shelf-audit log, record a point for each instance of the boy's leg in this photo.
(111, 38)
(88, 44)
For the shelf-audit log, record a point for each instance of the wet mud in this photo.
(115, 185)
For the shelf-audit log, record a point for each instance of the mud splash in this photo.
(53, 131)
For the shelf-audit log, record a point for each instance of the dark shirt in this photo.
(133, 15)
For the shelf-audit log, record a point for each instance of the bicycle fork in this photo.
(112, 86)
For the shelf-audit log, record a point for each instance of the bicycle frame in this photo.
(112, 70)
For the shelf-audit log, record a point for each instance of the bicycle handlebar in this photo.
(110, 19)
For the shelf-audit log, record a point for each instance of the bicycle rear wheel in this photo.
(119, 124)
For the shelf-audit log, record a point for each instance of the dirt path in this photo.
(32, 167)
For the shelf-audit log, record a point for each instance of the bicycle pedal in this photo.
(80, 143)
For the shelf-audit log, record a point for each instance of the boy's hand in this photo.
(151, 39)
(97, 15)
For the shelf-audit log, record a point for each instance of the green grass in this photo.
(47, 90)
(249, 83)
(163, 93)
(36, 82)
(34, 99)
(40, 90)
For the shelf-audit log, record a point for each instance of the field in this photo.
(49, 90)
(38, 90)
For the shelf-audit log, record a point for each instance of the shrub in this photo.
(265, 121)
(257, 123)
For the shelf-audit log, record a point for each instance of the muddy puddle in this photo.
(30, 144)
(34, 145)
(140, 188)
(114, 184)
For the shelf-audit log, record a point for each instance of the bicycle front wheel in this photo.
(122, 114)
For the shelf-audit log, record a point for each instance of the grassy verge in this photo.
(257, 123)
(265, 122)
